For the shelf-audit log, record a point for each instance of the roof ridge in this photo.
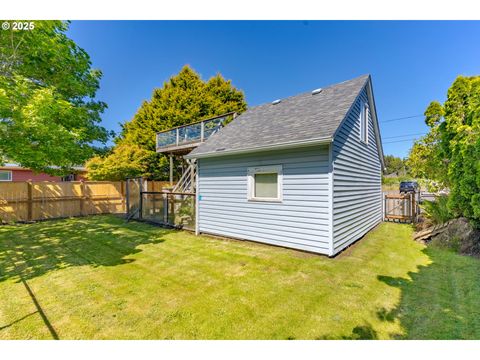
(309, 92)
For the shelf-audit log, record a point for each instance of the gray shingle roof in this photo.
(299, 118)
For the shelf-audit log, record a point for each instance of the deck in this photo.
(183, 139)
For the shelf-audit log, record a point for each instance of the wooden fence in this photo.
(400, 207)
(30, 201)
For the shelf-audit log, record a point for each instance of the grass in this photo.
(101, 278)
(441, 300)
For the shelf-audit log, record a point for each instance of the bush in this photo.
(437, 211)
(393, 183)
(450, 152)
(395, 180)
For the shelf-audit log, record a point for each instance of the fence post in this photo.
(30, 200)
(414, 210)
(387, 204)
(171, 211)
(82, 198)
(384, 204)
(127, 195)
(122, 192)
(153, 199)
(140, 200)
(165, 208)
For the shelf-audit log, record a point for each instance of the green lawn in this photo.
(101, 278)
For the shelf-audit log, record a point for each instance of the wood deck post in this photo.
(171, 169)
(192, 177)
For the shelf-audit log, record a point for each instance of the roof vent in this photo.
(275, 102)
(317, 91)
(220, 149)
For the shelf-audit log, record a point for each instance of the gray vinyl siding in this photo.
(301, 221)
(357, 189)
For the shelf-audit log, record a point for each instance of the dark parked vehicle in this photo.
(412, 187)
(409, 186)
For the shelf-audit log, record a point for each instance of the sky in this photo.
(411, 62)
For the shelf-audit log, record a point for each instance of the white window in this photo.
(265, 183)
(5, 175)
(364, 115)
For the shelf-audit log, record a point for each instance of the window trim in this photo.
(8, 172)
(364, 115)
(268, 169)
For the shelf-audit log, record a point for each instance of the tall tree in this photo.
(450, 152)
(49, 117)
(183, 99)
(394, 164)
(126, 161)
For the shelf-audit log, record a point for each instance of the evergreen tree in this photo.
(394, 164)
(184, 99)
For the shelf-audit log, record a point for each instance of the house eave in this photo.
(279, 146)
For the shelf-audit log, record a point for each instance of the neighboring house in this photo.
(14, 172)
(302, 172)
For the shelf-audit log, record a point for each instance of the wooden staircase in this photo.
(187, 183)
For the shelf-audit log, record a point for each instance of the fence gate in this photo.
(134, 188)
(400, 207)
(174, 209)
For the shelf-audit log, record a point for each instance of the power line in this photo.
(397, 141)
(402, 118)
(399, 136)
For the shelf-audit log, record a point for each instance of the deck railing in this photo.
(193, 133)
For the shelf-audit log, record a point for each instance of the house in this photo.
(15, 172)
(302, 172)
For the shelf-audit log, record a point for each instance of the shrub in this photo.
(437, 211)
(450, 152)
(395, 180)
